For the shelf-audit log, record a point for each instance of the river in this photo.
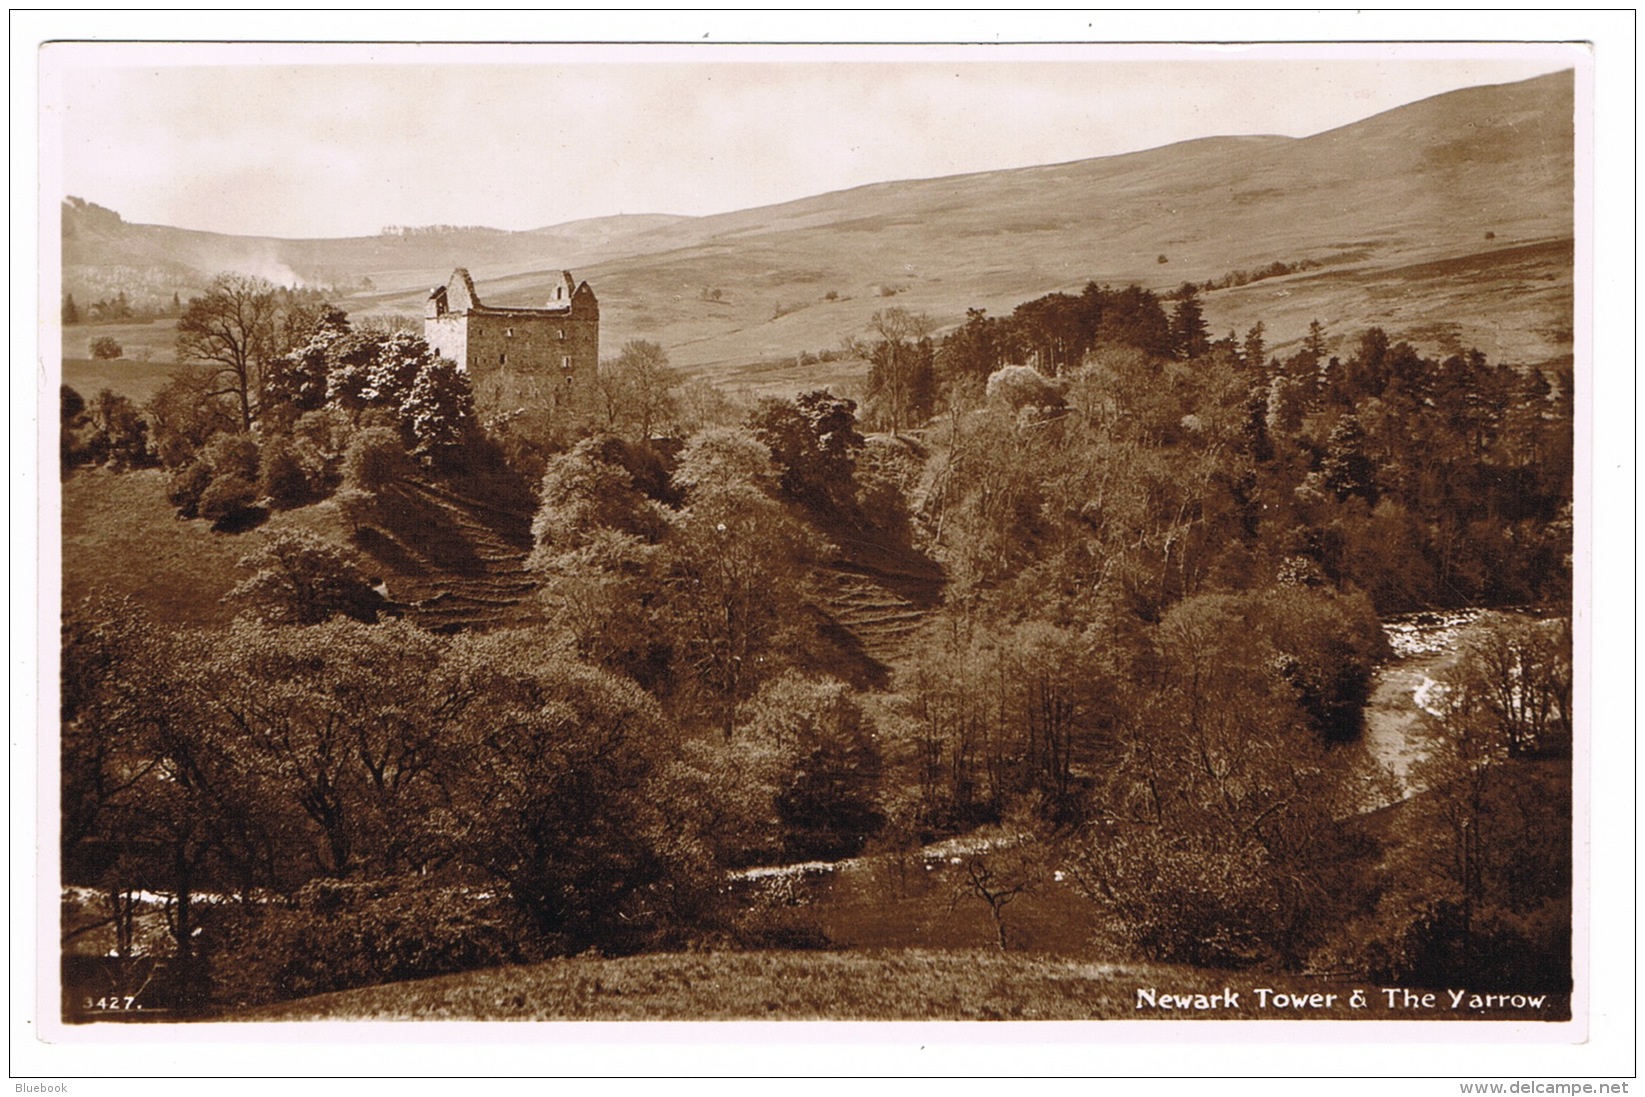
(1399, 732)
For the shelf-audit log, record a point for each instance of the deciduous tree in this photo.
(231, 329)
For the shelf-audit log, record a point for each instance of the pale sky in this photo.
(304, 141)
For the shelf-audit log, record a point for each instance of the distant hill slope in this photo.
(101, 250)
(1448, 221)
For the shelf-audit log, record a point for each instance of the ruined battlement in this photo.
(558, 341)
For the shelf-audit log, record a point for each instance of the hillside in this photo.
(1448, 221)
(1376, 204)
(102, 252)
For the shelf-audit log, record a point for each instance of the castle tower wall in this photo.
(559, 343)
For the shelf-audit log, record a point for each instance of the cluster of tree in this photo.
(119, 308)
(279, 397)
(102, 310)
(902, 383)
(1423, 482)
(332, 777)
(1054, 333)
(1165, 555)
(1277, 269)
(1493, 898)
(251, 762)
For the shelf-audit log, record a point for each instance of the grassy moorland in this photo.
(1463, 178)
(1447, 222)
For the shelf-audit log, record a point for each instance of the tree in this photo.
(732, 569)
(1519, 674)
(974, 350)
(1346, 469)
(1254, 353)
(291, 472)
(1497, 912)
(71, 313)
(1131, 317)
(301, 376)
(375, 459)
(71, 421)
(897, 359)
(300, 579)
(105, 347)
(1190, 335)
(1216, 834)
(341, 729)
(998, 875)
(119, 435)
(814, 441)
(437, 411)
(636, 389)
(1314, 344)
(551, 790)
(231, 329)
(1055, 330)
(587, 491)
(827, 801)
(150, 802)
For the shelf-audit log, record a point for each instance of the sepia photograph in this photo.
(712, 533)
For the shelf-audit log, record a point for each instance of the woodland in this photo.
(1088, 592)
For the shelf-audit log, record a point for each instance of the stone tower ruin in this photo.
(550, 352)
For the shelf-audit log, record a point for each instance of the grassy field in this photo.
(141, 343)
(911, 985)
(136, 381)
(120, 535)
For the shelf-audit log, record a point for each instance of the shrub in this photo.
(186, 486)
(375, 459)
(119, 434)
(105, 347)
(233, 455)
(1019, 387)
(284, 479)
(301, 579)
(335, 934)
(227, 498)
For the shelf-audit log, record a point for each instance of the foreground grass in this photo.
(908, 985)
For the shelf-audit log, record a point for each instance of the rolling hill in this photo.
(1448, 221)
